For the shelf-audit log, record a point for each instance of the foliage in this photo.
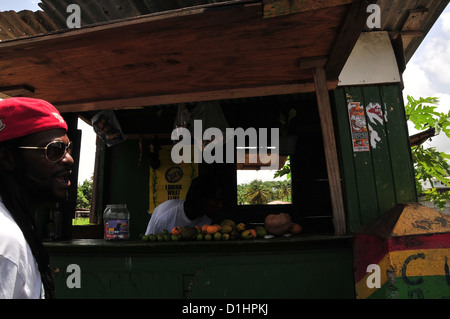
(429, 163)
(283, 190)
(422, 113)
(84, 194)
(258, 192)
(285, 170)
(80, 221)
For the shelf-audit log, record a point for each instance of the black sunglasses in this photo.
(54, 151)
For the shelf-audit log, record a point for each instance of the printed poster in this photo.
(170, 180)
(375, 125)
(358, 127)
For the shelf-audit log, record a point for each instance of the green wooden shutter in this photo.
(379, 177)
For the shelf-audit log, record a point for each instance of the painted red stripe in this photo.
(427, 241)
(367, 249)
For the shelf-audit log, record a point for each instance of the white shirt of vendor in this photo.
(19, 274)
(170, 214)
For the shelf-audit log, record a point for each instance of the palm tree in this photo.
(257, 193)
(241, 192)
(284, 190)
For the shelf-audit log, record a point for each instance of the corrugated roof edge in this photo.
(41, 18)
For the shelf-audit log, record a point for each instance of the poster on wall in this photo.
(358, 127)
(170, 180)
(376, 122)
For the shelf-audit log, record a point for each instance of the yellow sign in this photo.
(170, 180)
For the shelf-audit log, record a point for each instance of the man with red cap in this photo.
(35, 164)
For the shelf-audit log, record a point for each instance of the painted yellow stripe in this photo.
(424, 262)
(418, 219)
(414, 263)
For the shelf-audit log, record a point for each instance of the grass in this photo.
(80, 221)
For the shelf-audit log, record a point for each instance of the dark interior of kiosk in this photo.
(310, 194)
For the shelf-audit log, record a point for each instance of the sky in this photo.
(18, 5)
(427, 74)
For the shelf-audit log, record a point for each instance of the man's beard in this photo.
(40, 190)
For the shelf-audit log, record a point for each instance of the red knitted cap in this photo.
(20, 116)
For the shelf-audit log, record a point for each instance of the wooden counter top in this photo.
(298, 242)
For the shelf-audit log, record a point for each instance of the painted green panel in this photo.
(428, 287)
(377, 179)
(397, 129)
(311, 273)
(345, 151)
(379, 146)
(365, 174)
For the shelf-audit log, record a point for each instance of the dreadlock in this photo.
(18, 204)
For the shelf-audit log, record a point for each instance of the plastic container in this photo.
(116, 219)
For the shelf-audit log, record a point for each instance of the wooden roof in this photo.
(54, 15)
(225, 50)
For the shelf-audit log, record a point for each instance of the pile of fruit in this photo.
(226, 230)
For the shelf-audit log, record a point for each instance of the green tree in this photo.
(241, 200)
(84, 194)
(283, 189)
(285, 170)
(429, 163)
(257, 193)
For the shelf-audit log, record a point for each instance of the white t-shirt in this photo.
(19, 273)
(170, 214)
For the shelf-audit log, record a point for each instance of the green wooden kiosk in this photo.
(328, 60)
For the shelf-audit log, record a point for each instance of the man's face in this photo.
(213, 205)
(45, 180)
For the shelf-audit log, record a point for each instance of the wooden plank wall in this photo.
(379, 178)
(317, 272)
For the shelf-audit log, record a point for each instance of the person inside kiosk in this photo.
(203, 201)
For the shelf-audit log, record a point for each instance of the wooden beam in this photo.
(274, 8)
(348, 35)
(15, 91)
(406, 34)
(420, 138)
(138, 102)
(415, 19)
(329, 141)
(20, 45)
(399, 50)
(160, 59)
(413, 24)
(313, 62)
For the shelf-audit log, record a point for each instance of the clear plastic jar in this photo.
(116, 219)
